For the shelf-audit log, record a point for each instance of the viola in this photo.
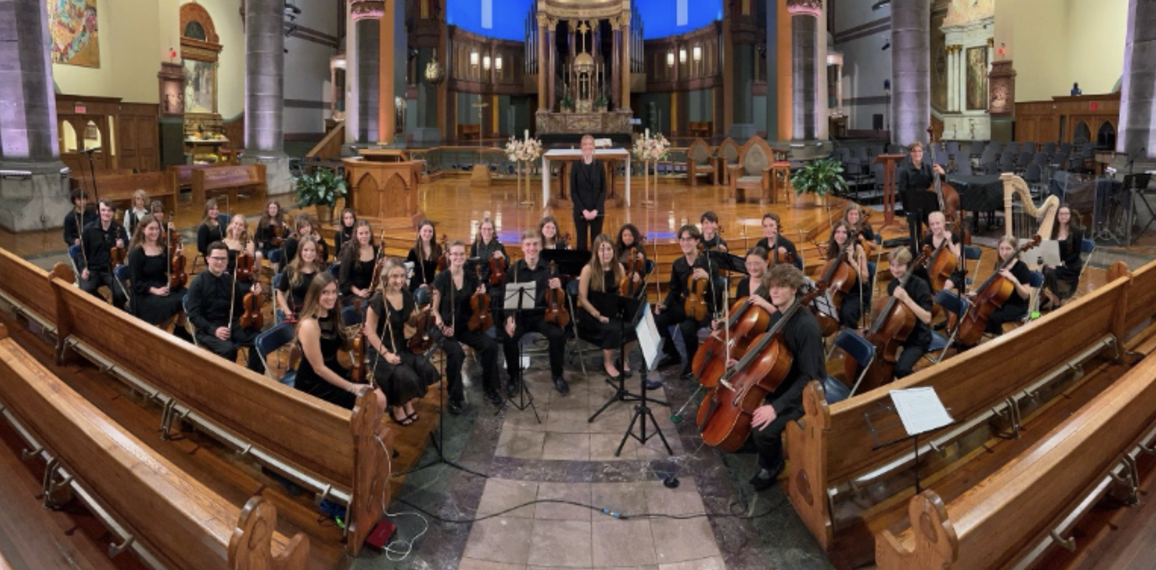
(497, 271)
(480, 317)
(695, 303)
(444, 258)
(564, 243)
(773, 257)
(357, 349)
(989, 296)
(279, 231)
(628, 287)
(724, 417)
(949, 202)
(252, 317)
(840, 277)
(116, 257)
(892, 325)
(746, 321)
(178, 278)
(556, 302)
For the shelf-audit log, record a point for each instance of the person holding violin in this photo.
(588, 192)
(842, 243)
(514, 327)
(629, 245)
(77, 218)
(916, 296)
(321, 337)
(358, 260)
(451, 293)
(711, 239)
(136, 211)
(854, 217)
(686, 272)
(402, 374)
(487, 248)
(1018, 274)
(939, 236)
(599, 323)
(915, 176)
(294, 282)
(237, 240)
(97, 242)
(424, 255)
(213, 299)
(778, 247)
(271, 230)
(306, 229)
(345, 230)
(212, 227)
(153, 300)
(548, 228)
(802, 338)
(1060, 282)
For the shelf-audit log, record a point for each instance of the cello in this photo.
(744, 321)
(941, 264)
(840, 276)
(948, 197)
(989, 296)
(724, 417)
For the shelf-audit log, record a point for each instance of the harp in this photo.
(1044, 216)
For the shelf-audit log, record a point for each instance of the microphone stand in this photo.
(1131, 196)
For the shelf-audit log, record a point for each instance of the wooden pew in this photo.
(180, 176)
(343, 455)
(227, 179)
(830, 446)
(1141, 308)
(119, 188)
(24, 287)
(158, 508)
(1006, 517)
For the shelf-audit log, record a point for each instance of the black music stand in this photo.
(642, 320)
(569, 261)
(916, 206)
(913, 416)
(519, 298)
(1136, 184)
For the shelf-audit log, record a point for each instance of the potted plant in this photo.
(818, 177)
(600, 102)
(322, 189)
(567, 104)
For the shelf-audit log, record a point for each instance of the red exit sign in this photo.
(1094, 106)
(81, 110)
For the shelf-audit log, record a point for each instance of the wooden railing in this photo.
(330, 146)
(119, 188)
(229, 179)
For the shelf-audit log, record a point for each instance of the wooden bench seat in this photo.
(180, 176)
(168, 516)
(119, 187)
(1005, 517)
(23, 289)
(227, 180)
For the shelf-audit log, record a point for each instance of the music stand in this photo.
(919, 411)
(918, 204)
(1135, 184)
(621, 394)
(520, 297)
(649, 340)
(569, 261)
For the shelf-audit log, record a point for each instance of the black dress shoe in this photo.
(687, 373)
(455, 407)
(561, 385)
(651, 384)
(765, 479)
(494, 397)
(669, 360)
(625, 372)
(513, 387)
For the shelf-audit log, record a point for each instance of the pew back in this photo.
(24, 285)
(119, 188)
(228, 178)
(179, 521)
(1141, 296)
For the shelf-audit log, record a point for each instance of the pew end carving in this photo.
(374, 447)
(934, 542)
(250, 545)
(807, 465)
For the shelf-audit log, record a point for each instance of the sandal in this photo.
(404, 421)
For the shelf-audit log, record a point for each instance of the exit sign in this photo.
(1094, 106)
(81, 110)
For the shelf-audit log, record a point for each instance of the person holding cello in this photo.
(843, 243)
(915, 176)
(778, 247)
(451, 293)
(916, 296)
(215, 296)
(711, 239)
(598, 323)
(153, 301)
(513, 328)
(687, 271)
(358, 260)
(97, 242)
(1016, 306)
(949, 241)
(424, 255)
(802, 338)
(403, 375)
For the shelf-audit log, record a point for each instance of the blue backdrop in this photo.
(660, 18)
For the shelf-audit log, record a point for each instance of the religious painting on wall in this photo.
(200, 86)
(73, 32)
(977, 78)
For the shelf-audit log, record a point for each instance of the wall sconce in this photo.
(498, 63)
(474, 59)
(697, 53)
(681, 55)
(486, 63)
(670, 59)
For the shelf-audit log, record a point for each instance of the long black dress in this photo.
(409, 379)
(151, 271)
(1064, 279)
(608, 335)
(310, 382)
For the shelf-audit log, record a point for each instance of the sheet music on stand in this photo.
(920, 410)
(520, 296)
(1047, 253)
(823, 302)
(648, 338)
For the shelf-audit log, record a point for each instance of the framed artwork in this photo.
(977, 78)
(200, 86)
(72, 32)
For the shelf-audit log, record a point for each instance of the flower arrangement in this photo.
(524, 150)
(651, 148)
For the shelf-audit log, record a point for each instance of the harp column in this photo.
(265, 92)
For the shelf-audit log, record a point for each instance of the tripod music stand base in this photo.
(642, 412)
(524, 400)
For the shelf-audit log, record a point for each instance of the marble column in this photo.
(550, 65)
(615, 65)
(368, 31)
(542, 68)
(626, 41)
(805, 68)
(265, 92)
(1138, 88)
(33, 180)
(742, 98)
(910, 70)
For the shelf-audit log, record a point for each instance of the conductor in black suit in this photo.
(915, 177)
(588, 192)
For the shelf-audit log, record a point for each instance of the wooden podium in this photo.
(888, 161)
(384, 185)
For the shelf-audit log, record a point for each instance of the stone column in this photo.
(626, 41)
(550, 66)
(805, 68)
(542, 68)
(742, 100)
(33, 182)
(910, 70)
(950, 79)
(368, 32)
(265, 92)
(615, 66)
(1138, 88)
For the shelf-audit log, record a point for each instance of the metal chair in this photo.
(972, 253)
(835, 390)
(576, 341)
(188, 322)
(121, 275)
(951, 303)
(1036, 282)
(859, 349)
(271, 341)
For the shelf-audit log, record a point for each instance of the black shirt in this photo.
(355, 272)
(454, 301)
(784, 243)
(588, 186)
(392, 336)
(98, 242)
(1023, 275)
(264, 234)
(296, 295)
(207, 235)
(71, 232)
(291, 250)
(679, 272)
(485, 252)
(340, 238)
(208, 301)
(423, 271)
(920, 292)
(147, 271)
(539, 275)
(714, 242)
(743, 289)
(912, 179)
(802, 337)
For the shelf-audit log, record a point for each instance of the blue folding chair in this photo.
(1036, 282)
(121, 275)
(971, 253)
(860, 350)
(350, 317)
(951, 303)
(835, 390)
(271, 341)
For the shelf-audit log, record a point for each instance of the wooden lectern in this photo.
(888, 161)
(384, 185)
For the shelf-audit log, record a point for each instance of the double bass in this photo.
(989, 296)
(724, 417)
(948, 197)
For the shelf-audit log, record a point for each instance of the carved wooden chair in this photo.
(753, 172)
(699, 162)
(727, 156)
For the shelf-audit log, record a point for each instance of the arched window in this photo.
(194, 30)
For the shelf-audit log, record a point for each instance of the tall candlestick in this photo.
(527, 134)
(647, 134)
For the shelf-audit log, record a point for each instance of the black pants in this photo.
(98, 278)
(555, 336)
(582, 226)
(769, 440)
(1005, 314)
(227, 349)
(487, 351)
(908, 358)
(688, 327)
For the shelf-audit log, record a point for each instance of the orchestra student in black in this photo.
(1016, 306)
(97, 241)
(756, 265)
(711, 239)
(237, 240)
(916, 295)
(854, 215)
(451, 292)
(215, 296)
(854, 300)
(321, 337)
(548, 227)
(306, 230)
(512, 328)
(403, 375)
(1060, 282)
(77, 218)
(778, 247)
(153, 301)
(133, 214)
(937, 226)
(588, 191)
(344, 233)
(272, 221)
(487, 247)
(629, 240)
(357, 262)
(596, 318)
(212, 226)
(915, 176)
(294, 282)
(671, 310)
(424, 256)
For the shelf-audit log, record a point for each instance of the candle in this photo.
(527, 135)
(647, 134)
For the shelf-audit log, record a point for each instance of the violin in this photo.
(279, 231)
(480, 317)
(116, 257)
(746, 321)
(988, 297)
(628, 287)
(892, 325)
(563, 243)
(178, 278)
(422, 341)
(773, 256)
(695, 303)
(244, 264)
(556, 302)
(252, 317)
(444, 258)
(497, 271)
(949, 202)
(357, 348)
(840, 276)
(724, 417)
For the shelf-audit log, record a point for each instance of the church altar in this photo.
(613, 122)
(569, 154)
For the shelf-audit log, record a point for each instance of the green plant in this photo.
(567, 100)
(321, 188)
(600, 101)
(819, 177)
